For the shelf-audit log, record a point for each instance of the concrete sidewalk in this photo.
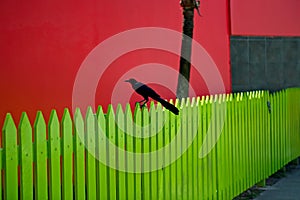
(288, 188)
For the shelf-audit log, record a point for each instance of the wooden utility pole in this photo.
(188, 7)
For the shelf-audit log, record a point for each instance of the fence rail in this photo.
(90, 157)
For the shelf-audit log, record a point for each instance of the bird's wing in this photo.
(145, 90)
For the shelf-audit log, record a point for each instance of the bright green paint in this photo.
(54, 152)
(253, 144)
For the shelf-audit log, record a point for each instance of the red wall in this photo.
(43, 44)
(265, 17)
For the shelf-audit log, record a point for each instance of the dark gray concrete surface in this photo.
(268, 63)
(288, 188)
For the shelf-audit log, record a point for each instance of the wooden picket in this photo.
(54, 158)
(40, 164)
(91, 157)
(26, 158)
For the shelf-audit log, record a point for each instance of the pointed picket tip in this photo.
(89, 113)
(202, 101)
(152, 110)
(53, 118)
(152, 104)
(193, 102)
(215, 98)
(159, 107)
(119, 113)
(66, 115)
(9, 124)
(24, 122)
(137, 108)
(238, 96)
(127, 108)
(119, 108)
(227, 99)
(259, 93)
(110, 111)
(182, 102)
(78, 123)
(152, 107)
(39, 120)
(207, 98)
(211, 98)
(77, 115)
(198, 100)
(231, 97)
(128, 112)
(100, 111)
(187, 102)
(224, 97)
(137, 112)
(66, 119)
(144, 109)
(176, 102)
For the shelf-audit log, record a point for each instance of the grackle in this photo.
(147, 92)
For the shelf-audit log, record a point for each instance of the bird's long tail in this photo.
(167, 105)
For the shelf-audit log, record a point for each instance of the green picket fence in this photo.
(260, 133)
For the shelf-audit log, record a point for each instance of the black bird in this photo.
(147, 92)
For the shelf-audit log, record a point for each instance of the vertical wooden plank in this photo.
(26, 158)
(194, 146)
(205, 120)
(284, 110)
(79, 169)
(67, 155)
(129, 144)
(242, 143)
(228, 144)
(276, 132)
(235, 147)
(11, 158)
(173, 133)
(200, 168)
(54, 159)
(146, 149)
(90, 154)
(138, 149)
(189, 136)
(166, 140)
(40, 167)
(184, 140)
(102, 168)
(268, 134)
(1, 168)
(220, 153)
(248, 126)
(153, 148)
(213, 153)
(210, 155)
(179, 176)
(121, 157)
(272, 133)
(110, 117)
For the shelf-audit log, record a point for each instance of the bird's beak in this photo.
(126, 81)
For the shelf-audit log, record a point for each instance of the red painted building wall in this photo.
(43, 44)
(265, 17)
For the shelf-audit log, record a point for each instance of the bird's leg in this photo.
(146, 100)
(139, 102)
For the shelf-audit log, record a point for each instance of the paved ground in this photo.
(288, 188)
